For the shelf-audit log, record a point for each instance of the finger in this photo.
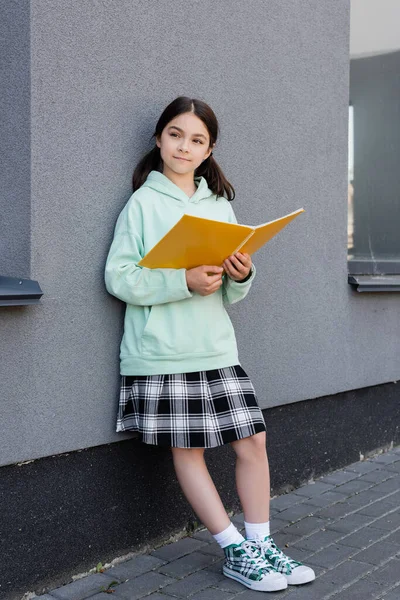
(212, 269)
(240, 268)
(245, 259)
(213, 278)
(229, 268)
(213, 288)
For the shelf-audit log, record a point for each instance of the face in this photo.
(184, 144)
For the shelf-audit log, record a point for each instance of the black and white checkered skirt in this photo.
(190, 410)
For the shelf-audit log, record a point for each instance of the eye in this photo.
(199, 141)
(173, 134)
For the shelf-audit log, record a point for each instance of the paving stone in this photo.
(377, 553)
(192, 584)
(393, 468)
(134, 567)
(238, 519)
(363, 467)
(364, 498)
(203, 535)
(216, 566)
(350, 523)
(278, 525)
(212, 548)
(103, 596)
(388, 522)
(326, 499)
(82, 588)
(252, 595)
(393, 538)
(213, 594)
(177, 549)
(392, 595)
(306, 526)
(316, 590)
(283, 539)
(339, 477)
(351, 487)
(376, 509)
(390, 485)
(286, 500)
(296, 512)
(364, 589)
(227, 584)
(387, 458)
(331, 556)
(181, 567)
(376, 476)
(347, 572)
(336, 511)
(363, 538)
(141, 586)
(314, 489)
(389, 574)
(318, 541)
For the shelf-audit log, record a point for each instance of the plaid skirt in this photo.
(190, 410)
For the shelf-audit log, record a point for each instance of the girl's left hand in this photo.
(238, 266)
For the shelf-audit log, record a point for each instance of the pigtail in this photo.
(150, 162)
(216, 180)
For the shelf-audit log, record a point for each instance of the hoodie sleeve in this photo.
(131, 283)
(233, 291)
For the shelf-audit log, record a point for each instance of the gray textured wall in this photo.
(276, 74)
(15, 214)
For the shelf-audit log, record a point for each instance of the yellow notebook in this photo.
(194, 241)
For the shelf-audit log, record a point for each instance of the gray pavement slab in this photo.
(285, 501)
(192, 584)
(363, 538)
(141, 586)
(186, 565)
(350, 523)
(83, 588)
(314, 489)
(331, 556)
(377, 553)
(345, 525)
(135, 567)
(297, 512)
(351, 487)
(178, 549)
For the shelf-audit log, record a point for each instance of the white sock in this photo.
(254, 530)
(229, 536)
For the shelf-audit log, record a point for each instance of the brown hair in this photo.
(209, 168)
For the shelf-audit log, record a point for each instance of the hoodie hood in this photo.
(159, 182)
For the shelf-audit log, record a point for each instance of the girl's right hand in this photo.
(204, 280)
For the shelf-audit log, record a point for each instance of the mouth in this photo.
(180, 158)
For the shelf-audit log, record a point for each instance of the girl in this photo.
(181, 382)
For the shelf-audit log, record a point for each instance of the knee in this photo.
(251, 448)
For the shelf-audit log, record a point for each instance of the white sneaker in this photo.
(244, 563)
(294, 571)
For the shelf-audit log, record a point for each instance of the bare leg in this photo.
(252, 477)
(199, 489)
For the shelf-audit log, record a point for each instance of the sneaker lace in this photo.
(253, 552)
(275, 553)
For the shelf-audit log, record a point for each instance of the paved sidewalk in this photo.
(345, 525)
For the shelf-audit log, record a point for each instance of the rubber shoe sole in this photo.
(271, 582)
(300, 575)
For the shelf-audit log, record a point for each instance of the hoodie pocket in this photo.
(198, 325)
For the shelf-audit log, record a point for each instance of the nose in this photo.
(183, 146)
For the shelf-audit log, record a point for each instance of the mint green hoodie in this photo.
(167, 328)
